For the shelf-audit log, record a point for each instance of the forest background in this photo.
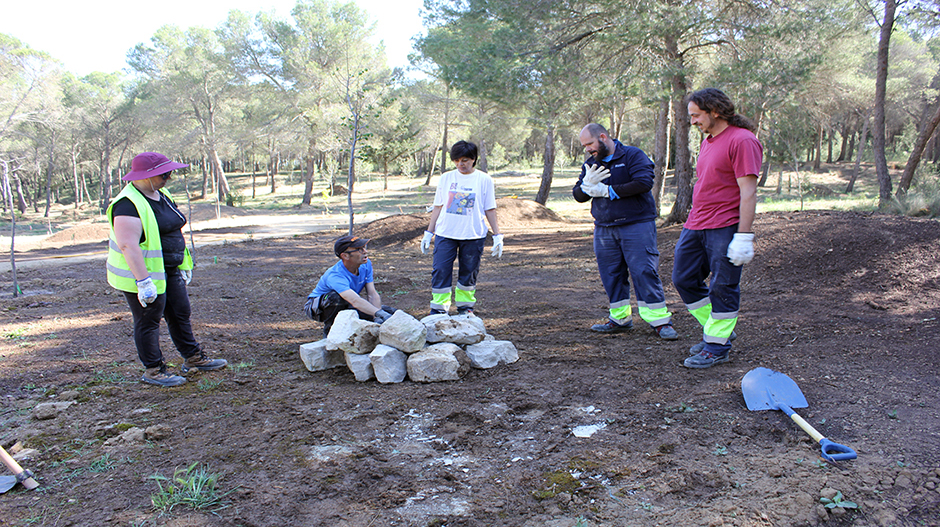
(272, 110)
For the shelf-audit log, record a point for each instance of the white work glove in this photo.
(497, 246)
(146, 291)
(741, 248)
(187, 275)
(426, 241)
(597, 190)
(595, 174)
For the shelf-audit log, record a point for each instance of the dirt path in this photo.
(846, 304)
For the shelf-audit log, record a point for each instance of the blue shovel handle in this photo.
(835, 452)
(830, 451)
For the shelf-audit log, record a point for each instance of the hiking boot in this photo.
(202, 363)
(464, 310)
(705, 360)
(698, 348)
(158, 376)
(667, 332)
(612, 327)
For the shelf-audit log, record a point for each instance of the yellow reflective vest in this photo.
(119, 273)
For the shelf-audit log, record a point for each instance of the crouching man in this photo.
(347, 285)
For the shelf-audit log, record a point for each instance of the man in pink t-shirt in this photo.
(717, 238)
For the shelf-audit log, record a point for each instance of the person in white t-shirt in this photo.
(464, 198)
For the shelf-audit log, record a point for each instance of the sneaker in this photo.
(612, 327)
(667, 332)
(705, 360)
(202, 363)
(160, 377)
(437, 312)
(698, 348)
(464, 310)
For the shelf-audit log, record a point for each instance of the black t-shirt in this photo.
(170, 221)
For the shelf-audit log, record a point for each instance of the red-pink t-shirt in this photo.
(722, 159)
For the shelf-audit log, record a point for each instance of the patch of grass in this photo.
(206, 385)
(194, 487)
(555, 483)
(108, 377)
(243, 365)
(16, 334)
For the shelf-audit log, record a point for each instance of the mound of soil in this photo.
(77, 235)
(513, 212)
(845, 304)
(394, 229)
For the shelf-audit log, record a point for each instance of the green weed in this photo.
(837, 501)
(102, 464)
(194, 487)
(243, 365)
(720, 450)
(16, 334)
(206, 385)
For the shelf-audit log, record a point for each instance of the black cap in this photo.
(348, 242)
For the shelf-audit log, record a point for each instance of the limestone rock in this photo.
(367, 339)
(471, 319)
(158, 432)
(131, 435)
(44, 411)
(439, 362)
(361, 366)
(459, 330)
(317, 357)
(388, 364)
(347, 328)
(403, 332)
(489, 353)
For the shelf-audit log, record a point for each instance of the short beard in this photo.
(602, 151)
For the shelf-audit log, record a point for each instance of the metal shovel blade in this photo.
(7, 483)
(765, 389)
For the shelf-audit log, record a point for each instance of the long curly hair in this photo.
(715, 100)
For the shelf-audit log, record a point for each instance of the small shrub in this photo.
(194, 487)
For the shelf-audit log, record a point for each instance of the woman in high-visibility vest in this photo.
(148, 261)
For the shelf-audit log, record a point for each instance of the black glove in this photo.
(381, 316)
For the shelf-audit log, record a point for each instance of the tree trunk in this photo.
(845, 139)
(481, 162)
(863, 136)
(919, 145)
(660, 151)
(683, 173)
(309, 172)
(817, 161)
(878, 132)
(548, 166)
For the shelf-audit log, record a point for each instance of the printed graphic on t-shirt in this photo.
(460, 202)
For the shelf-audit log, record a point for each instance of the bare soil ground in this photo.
(846, 304)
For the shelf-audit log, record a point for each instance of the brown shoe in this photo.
(158, 376)
(202, 363)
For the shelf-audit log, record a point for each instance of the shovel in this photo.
(766, 389)
(21, 476)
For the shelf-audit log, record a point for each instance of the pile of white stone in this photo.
(435, 348)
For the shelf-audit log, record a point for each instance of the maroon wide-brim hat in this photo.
(149, 164)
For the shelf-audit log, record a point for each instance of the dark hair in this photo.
(714, 100)
(464, 149)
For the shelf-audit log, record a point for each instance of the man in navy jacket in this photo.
(618, 179)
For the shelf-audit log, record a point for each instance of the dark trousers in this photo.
(467, 253)
(173, 305)
(698, 256)
(330, 306)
